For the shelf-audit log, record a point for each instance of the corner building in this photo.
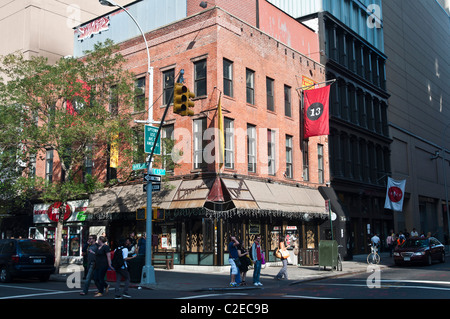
(269, 181)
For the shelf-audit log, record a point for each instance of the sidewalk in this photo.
(196, 280)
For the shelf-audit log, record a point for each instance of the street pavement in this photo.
(200, 279)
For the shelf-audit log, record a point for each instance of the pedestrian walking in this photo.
(119, 263)
(283, 254)
(257, 260)
(91, 245)
(390, 242)
(233, 258)
(102, 262)
(245, 262)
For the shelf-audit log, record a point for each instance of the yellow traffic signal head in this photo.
(179, 99)
(182, 100)
(158, 213)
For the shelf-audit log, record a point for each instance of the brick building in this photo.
(269, 182)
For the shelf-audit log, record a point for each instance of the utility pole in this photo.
(148, 271)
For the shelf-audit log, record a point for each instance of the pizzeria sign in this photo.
(74, 211)
(94, 27)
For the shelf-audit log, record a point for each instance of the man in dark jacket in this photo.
(92, 245)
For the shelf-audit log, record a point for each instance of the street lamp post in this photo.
(148, 271)
(111, 3)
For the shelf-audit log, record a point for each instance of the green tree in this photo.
(79, 108)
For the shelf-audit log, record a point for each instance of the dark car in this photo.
(26, 258)
(419, 250)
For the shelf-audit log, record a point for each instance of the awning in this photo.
(218, 196)
(191, 193)
(129, 198)
(256, 198)
(240, 194)
(286, 200)
(336, 206)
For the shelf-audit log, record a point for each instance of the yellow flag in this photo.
(221, 134)
(114, 153)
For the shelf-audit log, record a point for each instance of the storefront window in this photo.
(274, 239)
(198, 242)
(50, 236)
(74, 241)
(194, 238)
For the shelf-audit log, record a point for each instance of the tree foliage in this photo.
(76, 107)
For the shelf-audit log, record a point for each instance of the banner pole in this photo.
(303, 88)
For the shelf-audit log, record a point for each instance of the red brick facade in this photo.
(214, 35)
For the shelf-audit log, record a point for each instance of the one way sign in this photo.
(152, 178)
(155, 187)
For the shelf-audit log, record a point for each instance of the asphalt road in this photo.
(391, 283)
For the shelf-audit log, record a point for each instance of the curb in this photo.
(63, 277)
(227, 288)
(336, 275)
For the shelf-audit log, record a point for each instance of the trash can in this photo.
(328, 253)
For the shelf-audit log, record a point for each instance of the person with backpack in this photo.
(119, 262)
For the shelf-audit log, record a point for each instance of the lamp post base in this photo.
(148, 275)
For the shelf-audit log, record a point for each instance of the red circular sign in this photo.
(395, 194)
(53, 212)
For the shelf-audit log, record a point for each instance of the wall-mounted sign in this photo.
(93, 27)
(75, 211)
(53, 212)
(254, 229)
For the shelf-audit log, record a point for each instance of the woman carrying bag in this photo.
(283, 254)
(244, 263)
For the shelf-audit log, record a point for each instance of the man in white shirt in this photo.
(414, 233)
(375, 241)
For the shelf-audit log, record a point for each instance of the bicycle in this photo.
(373, 258)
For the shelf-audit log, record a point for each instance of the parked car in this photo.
(419, 250)
(26, 258)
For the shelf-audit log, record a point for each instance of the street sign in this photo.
(155, 187)
(158, 171)
(139, 166)
(152, 178)
(149, 140)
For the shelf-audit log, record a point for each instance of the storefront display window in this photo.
(45, 225)
(74, 241)
(198, 242)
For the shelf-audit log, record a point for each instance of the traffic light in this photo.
(178, 98)
(158, 213)
(182, 100)
(141, 213)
